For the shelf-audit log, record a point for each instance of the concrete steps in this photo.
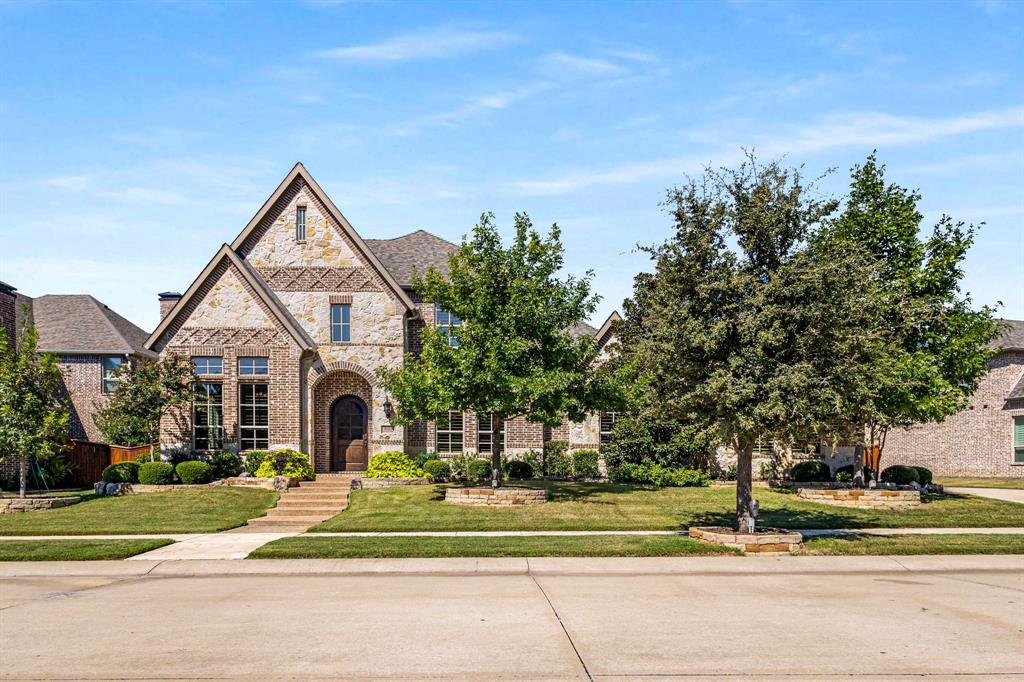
(309, 503)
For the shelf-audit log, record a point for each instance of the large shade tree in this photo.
(34, 412)
(751, 325)
(145, 391)
(514, 353)
(939, 346)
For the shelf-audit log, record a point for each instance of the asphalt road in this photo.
(710, 618)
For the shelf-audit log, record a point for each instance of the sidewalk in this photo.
(1005, 494)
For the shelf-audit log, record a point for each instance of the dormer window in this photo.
(300, 224)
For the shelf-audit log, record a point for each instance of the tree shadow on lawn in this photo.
(558, 491)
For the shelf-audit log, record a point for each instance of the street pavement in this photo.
(702, 618)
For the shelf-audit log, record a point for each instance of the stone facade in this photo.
(863, 498)
(977, 441)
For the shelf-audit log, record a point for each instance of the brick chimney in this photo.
(8, 312)
(168, 299)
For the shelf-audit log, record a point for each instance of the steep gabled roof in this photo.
(277, 309)
(1018, 391)
(417, 252)
(604, 334)
(79, 324)
(1012, 338)
(299, 172)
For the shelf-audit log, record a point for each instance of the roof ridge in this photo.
(102, 307)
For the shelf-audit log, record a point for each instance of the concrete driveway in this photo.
(1008, 494)
(737, 617)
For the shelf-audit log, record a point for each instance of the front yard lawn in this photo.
(916, 544)
(190, 510)
(607, 506)
(1011, 483)
(426, 547)
(75, 550)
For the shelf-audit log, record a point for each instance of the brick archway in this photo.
(328, 387)
(318, 373)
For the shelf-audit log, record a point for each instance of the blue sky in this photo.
(136, 138)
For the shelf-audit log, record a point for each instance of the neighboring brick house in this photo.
(90, 340)
(288, 327)
(984, 440)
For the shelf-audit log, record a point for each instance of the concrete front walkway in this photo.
(710, 618)
(1007, 494)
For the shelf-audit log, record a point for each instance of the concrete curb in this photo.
(624, 566)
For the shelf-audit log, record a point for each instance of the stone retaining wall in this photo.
(13, 505)
(277, 483)
(388, 482)
(763, 542)
(491, 497)
(863, 498)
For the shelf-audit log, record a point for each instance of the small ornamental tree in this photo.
(751, 325)
(145, 391)
(34, 412)
(939, 346)
(514, 354)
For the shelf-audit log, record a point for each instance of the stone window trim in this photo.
(300, 223)
(108, 373)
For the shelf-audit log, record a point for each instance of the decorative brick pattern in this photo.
(977, 441)
(495, 497)
(322, 279)
(863, 499)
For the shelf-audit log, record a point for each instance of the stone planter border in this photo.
(388, 482)
(277, 483)
(863, 498)
(14, 505)
(766, 541)
(508, 496)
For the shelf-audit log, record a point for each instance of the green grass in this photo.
(85, 492)
(605, 506)
(190, 510)
(916, 544)
(75, 550)
(421, 547)
(1011, 483)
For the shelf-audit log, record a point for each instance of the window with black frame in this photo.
(254, 416)
(208, 416)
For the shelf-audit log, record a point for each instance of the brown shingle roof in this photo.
(78, 323)
(1013, 335)
(1018, 391)
(583, 329)
(417, 251)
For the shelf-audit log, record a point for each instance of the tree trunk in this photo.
(744, 483)
(858, 466)
(496, 453)
(22, 476)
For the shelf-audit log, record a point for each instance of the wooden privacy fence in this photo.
(88, 459)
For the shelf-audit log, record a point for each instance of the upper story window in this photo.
(300, 223)
(341, 323)
(449, 433)
(608, 420)
(253, 366)
(208, 365)
(1018, 440)
(447, 321)
(111, 367)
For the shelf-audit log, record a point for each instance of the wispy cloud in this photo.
(436, 43)
(992, 6)
(475, 106)
(566, 66)
(866, 130)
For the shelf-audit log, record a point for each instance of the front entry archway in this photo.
(349, 434)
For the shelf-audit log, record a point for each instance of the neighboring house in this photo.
(984, 440)
(288, 327)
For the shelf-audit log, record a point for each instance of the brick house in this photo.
(987, 438)
(91, 342)
(288, 327)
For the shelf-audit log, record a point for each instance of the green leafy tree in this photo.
(514, 355)
(751, 325)
(939, 346)
(145, 391)
(34, 413)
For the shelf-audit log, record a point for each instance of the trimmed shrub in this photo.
(253, 460)
(535, 460)
(225, 464)
(194, 472)
(584, 464)
(900, 475)
(557, 463)
(845, 473)
(144, 457)
(156, 473)
(122, 472)
(924, 475)
(479, 470)
(285, 462)
(424, 457)
(438, 470)
(811, 472)
(459, 463)
(664, 477)
(519, 469)
(393, 464)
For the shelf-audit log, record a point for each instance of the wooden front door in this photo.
(348, 435)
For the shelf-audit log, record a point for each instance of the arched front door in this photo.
(348, 434)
